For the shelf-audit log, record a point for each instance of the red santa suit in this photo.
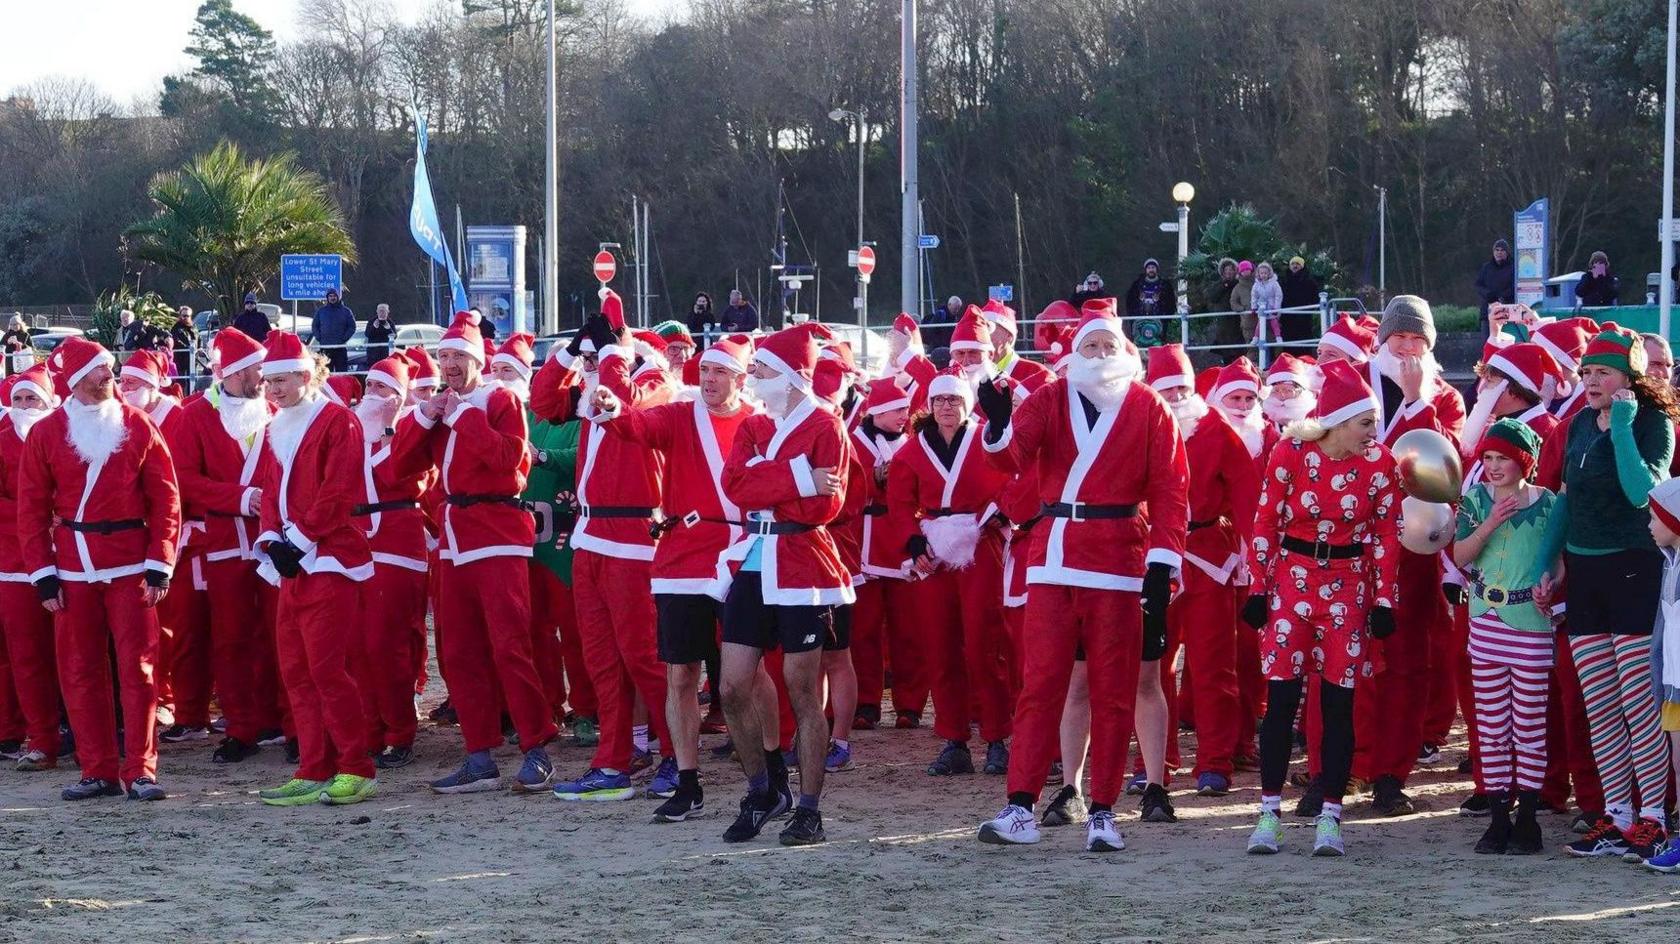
(911, 369)
(484, 594)
(1024, 376)
(25, 628)
(99, 517)
(1087, 557)
(313, 479)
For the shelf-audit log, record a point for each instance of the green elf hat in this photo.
(1514, 440)
(1617, 348)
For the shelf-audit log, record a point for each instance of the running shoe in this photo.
(953, 758)
(997, 759)
(91, 788)
(781, 801)
(1476, 804)
(1101, 833)
(1327, 838)
(682, 806)
(640, 760)
(1156, 806)
(179, 733)
(473, 776)
(1667, 859)
(444, 713)
(596, 786)
(1013, 826)
(1211, 784)
(1583, 823)
(394, 756)
(751, 819)
(1429, 755)
(804, 829)
(1388, 799)
(1643, 840)
(272, 737)
(664, 782)
(1267, 837)
(33, 760)
(232, 751)
(1066, 809)
(11, 749)
(586, 732)
(346, 789)
(535, 772)
(294, 792)
(1136, 785)
(908, 719)
(146, 789)
(218, 725)
(839, 758)
(1604, 839)
(165, 716)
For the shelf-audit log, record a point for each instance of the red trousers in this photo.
(869, 642)
(487, 606)
(315, 655)
(1251, 683)
(1204, 620)
(884, 633)
(553, 615)
(242, 649)
(616, 623)
(1109, 624)
(184, 673)
(383, 658)
(420, 677)
(1464, 689)
(1569, 754)
(98, 618)
(966, 644)
(1388, 723)
(580, 691)
(12, 725)
(1449, 666)
(28, 633)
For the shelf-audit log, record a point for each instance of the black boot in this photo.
(1498, 836)
(1525, 832)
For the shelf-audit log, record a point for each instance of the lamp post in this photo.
(1182, 194)
(841, 114)
(910, 199)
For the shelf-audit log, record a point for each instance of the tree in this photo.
(222, 222)
(235, 56)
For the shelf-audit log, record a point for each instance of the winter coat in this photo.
(333, 324)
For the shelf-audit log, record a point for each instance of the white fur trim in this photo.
(1236, 386)
(1358, 354)
(1350, 411)
(1002, 442)
(801, 468)
(459, 344)
(387, 380)
(946, 385)
(299, 365)
(1160, 555)
(617, 350)
(1503, 364)
(1112, 325)
(460, 411)
(45, 395)
(1167, 383)
(1569, 364)
(719, 359)
(255, 357)
(969, 346)
(900, 404)
(103, 358)
(147, 376)
(514, 362)
(166, 570)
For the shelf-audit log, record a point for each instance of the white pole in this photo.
(647, 270)
(1382, 246)
(910, 270)
(636, 252)
(550, 322)
(1666, 294)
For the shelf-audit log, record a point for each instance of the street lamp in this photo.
(1182, 194)
(841, 114)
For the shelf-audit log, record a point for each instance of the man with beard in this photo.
(1407, 381)
(1150, 295)
(1236, 395)
(971, 347)
(218, 462)
(1289, 395)
(98, 515)
(1101, 445)
(27, 628)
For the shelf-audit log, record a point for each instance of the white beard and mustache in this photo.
(285, 431)
(242, 417)
(96, 431)
(1251, 426)
(775, 394)
(1388, 364)
(1189, 412)
(1283, 412)
(520, 388)
(1102, 380)
(372, 414)
(24, 420)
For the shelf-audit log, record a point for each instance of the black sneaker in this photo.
(1312, 800)
(91, 788)
(1155, 806)
(1604, 839)
(1465, 767)
(394, 756)
(1525, 830)
(11, 749)
(1476, 804)
(1065, 810)
(1429, 755)
(444, 713)
(1496, 840)
(752, 818)
(232, 751)
(1387, 799)
(681, 806)
(997, 758)
(180, 733)
(805, 829)
(953, 759)
(292, 752)
(781, 801)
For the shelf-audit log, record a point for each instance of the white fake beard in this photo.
(591, 380)
(1251, 426)
(242, 417)
(1102, 380)
(96, 431)
(1388, 364)
(1284, 412)
(1477, 422)
(286, 430)
(139, 399)
(774, 393)
(371, 412)
(979, 373)
(1189, 412)
(24, 420)
(520, 388)
(952, 539)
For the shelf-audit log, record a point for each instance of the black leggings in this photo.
(1277, 736)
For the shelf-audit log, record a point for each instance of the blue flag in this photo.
(423, 218)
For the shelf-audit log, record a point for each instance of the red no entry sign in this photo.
(605, 267)
(866, 260)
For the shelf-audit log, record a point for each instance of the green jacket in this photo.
(550, 479)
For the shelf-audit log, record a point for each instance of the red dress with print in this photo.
(1319, 607)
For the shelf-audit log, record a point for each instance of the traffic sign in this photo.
(605, 267)
(309, 277)
(927, 241)
(866, 261)
(1002, 293)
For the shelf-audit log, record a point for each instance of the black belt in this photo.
(225, 514)
(393, 505)
(467, 501)
(1199, 525)
(1082, 511)
(615, 511)
(943, 512)
(1499, 596)
(874, 511)
(1321, 550)
(777, 527)
(104, 527)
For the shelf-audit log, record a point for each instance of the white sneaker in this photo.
(1328, 838)
(1267, 835)
(1014, 826)
(1101, 835)
(164, 715)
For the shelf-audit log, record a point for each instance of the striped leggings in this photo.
(1623, 721)
(1511, 725)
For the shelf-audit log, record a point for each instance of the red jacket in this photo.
(1132, 456)
(11, 459)
(923, 496)
(1019, 503)
(219, 477)
(1027, 376)
(1441, 410)
(309, 486)
(1224, 489)
(397, 537)
(871, 529)
(769, 473)
(1550, 474)
(478, 450)
(137, 481)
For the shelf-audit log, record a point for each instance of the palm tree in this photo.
(223, 221)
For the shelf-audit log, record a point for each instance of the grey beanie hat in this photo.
(1407, 313)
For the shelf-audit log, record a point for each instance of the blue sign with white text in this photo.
(310, 277)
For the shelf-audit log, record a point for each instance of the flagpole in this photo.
(551, 198)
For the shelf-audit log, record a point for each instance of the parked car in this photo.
(46, 339)
(208, 320)
(419, 334)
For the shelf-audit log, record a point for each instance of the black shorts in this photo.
(749, 621)
(1612, 593)
(687, 627)
(841, 639)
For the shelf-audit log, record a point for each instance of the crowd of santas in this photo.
(1030, 545)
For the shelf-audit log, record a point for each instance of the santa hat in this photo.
(1529, 366)
(1614, 347)
(907, 325)
(232, 350)
(734, 352)
(1566, 340)
(972, 333)
(1000, 316)
(1205, 381)
(1287, 369)
(422, 370)
(1169, 367)
(148, 367)
(792, 352)
(1354, 338)
(827, 379)
(1098, 314)
(884, 397)
(465, 337)
(392, 372)
(37, 380)
(1344, 396)
(612, 308)
(516, 353)
(840, 353)
(1055, 322)
(1236, 377)
(1060, 343)
(343, 389)
(1665, 503)
(75, 358)
(952, 382)
(1514, 440)
(285, 354)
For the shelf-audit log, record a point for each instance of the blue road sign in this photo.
(1003, 293)
(927, 241)
(310, 277)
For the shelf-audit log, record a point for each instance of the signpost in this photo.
(605, 267)
(927, 241)
(1532, 229)
(864, 260)
(1002, 293)
(496, 276)
(309, 276)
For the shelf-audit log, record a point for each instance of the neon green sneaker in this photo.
(1267, 835)
(1327, 841)
(295, 793)
(348, 788)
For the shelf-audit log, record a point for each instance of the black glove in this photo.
(47, 588)
(1455, 593)
(574, 347)
(1381, 622)
(286, 557)
(1154, 635)
(851, 400)
(1254, 611)
(157, 580)
(997, 403)
(1157, 591)
(917, 546)
(600, 332)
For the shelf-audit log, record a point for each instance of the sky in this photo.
(126, 47)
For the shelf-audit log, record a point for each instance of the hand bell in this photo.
(1429, 466)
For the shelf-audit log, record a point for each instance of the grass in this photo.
(1456, 318)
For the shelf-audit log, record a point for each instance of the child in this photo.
(1665, 643)
(1502, 525)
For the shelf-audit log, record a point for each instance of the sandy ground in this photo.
(901, 864)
